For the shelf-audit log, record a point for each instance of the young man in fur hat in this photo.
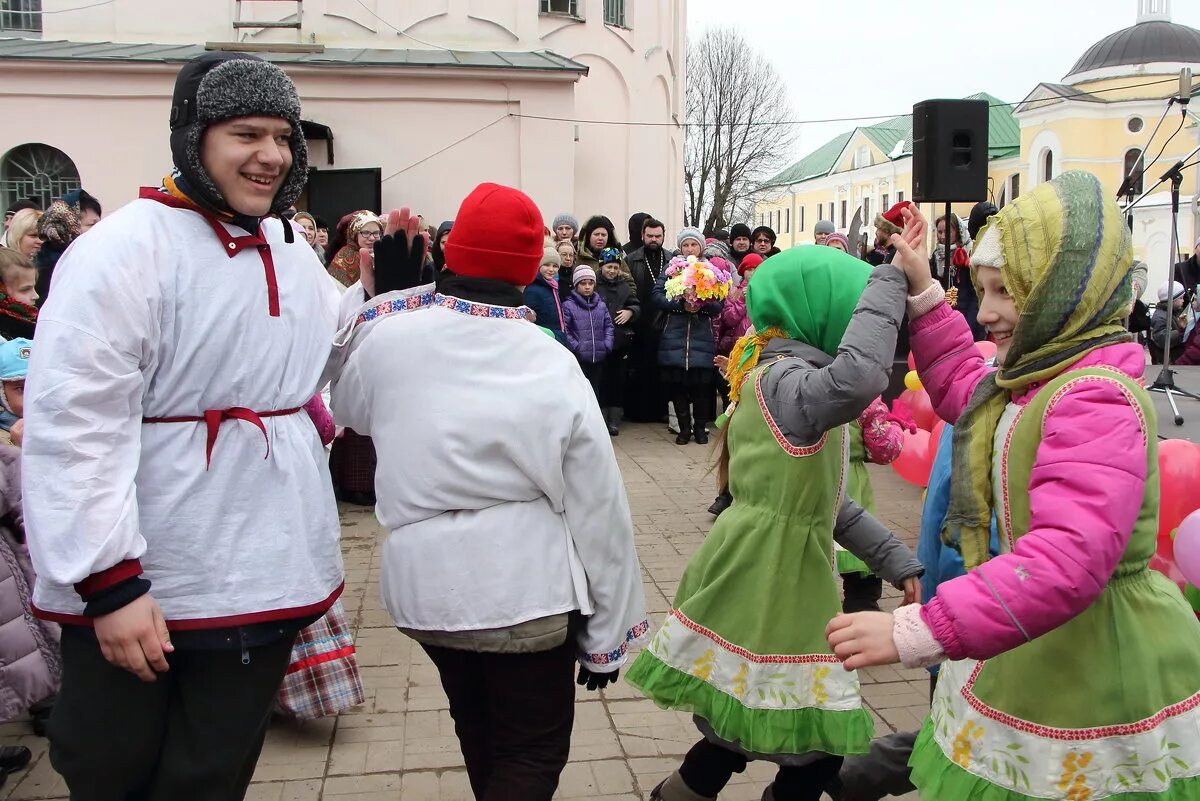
(481, 459)
(181, 517)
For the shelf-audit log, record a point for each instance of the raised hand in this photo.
(912, 254)
(399, 258)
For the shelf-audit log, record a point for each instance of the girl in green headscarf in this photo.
(743, 649)
(1074, 669)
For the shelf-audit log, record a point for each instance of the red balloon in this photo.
(915, 461)
(986, 348)
(1178, 478)
(921, 408)
(912, 362)
(935, 440)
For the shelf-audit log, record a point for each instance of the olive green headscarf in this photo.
(1066, 262)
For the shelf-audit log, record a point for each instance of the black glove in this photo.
(397, 265)
(596, 681)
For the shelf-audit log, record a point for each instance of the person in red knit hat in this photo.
(509, 554)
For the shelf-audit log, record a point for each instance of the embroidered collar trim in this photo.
(476, 309)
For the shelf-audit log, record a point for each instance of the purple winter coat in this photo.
(29, 651)
(588, 327)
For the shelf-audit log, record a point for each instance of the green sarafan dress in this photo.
(1106, 706)
(744, 646)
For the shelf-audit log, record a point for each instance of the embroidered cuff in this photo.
(927, 301)
(612, 660)
(98, 582)
(914, 640)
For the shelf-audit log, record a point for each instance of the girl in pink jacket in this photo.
(1073, 671)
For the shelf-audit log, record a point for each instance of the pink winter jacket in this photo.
(1085, 493)
(733, 322)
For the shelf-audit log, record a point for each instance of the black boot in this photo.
(14, 758)
(39, 715)
(701, 434)
(723, 502)
(612, 416)
(683, 413)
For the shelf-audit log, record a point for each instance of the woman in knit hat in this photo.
(564, 228)
(355, 231)
(743, 648)
(542, 297)
(1068, 664)
(686, 351)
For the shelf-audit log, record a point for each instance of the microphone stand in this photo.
(1165, 383)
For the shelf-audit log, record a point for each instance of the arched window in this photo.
(1134, 167)
(37, 171)
(1047, 165)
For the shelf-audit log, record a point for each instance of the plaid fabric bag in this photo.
(322, 678)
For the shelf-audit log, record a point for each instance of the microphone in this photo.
(1185, 86)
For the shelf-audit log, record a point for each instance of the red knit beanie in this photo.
(749, 262)
(497, 234)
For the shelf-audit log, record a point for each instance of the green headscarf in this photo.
(806, 293)
(810, 292)
(1067, 259)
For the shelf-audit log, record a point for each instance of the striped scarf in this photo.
(1067, 258)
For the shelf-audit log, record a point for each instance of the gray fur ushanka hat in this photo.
(220, 86)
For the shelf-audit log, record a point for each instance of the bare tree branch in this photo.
(733, 96)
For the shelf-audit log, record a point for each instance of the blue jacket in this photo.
(540, 297)
(941, 562)
(589, 328)
(687, 338)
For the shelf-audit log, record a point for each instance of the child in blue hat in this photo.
(14, 364)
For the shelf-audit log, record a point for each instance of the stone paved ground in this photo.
(401, 744)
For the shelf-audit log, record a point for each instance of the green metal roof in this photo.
(815, 164)
(1004, 139)
(43, 50)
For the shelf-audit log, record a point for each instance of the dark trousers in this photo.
(513, 715)
(612, 381)
(592, 372)
(695, 403)
(708, 767)
(861, 593)
(645, 397)
(194, 734)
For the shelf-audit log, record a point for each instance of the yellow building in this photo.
(1096, 119)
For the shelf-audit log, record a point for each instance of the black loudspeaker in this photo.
(950, 151)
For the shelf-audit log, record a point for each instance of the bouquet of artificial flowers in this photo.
(697, 281)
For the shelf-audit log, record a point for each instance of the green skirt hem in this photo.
(937, 778)
(762, 731)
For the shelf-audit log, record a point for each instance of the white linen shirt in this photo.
(150, 316)
(496, 478)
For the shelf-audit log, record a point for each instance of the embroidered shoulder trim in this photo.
(789, 448)
(618, 653)
(475, 309)
(398, 305)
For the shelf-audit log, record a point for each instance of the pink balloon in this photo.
(921, 407)
(915, 461)
(987, 349)
(1187, 548)
(935, 440)
(912, 361)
